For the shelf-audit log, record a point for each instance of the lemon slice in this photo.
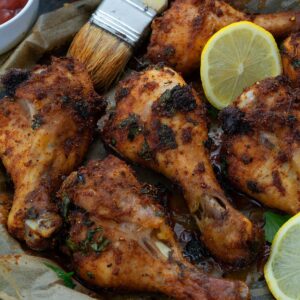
(234, 58)
(282, 271)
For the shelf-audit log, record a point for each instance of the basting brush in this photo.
(106, 43)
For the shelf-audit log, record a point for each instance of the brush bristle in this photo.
(104, 55)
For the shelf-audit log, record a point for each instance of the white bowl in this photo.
(15, 29)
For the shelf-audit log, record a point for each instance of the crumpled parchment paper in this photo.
(51, 31)
(24, 276)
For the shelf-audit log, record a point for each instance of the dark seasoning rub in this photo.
(172, 101)
(178, 99)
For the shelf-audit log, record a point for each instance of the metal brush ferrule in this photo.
(126, 19)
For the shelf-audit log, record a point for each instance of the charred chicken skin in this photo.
(46, 125)
(262, 143)
(290, 54)
(160, 123)
(118, 237)
(179, 36)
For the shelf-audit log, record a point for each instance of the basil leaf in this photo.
(64, 276)
(273, 222)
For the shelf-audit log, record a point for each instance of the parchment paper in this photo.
(51, 31)
(24, 276)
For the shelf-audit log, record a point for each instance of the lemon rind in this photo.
(268, 270)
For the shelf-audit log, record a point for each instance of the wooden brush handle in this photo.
(158, 5)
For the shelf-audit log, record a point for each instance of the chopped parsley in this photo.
(212, 112)
(224, 167)
(80, 178)
(65, 205)
(32, 213)
(150, 190)
(72, 245)
(65, 99)
(165, 104)
(177, 99)
(37, 121)
(132, 124)
(87, 222)
(296, 63)
(100, 245)
(113, 142)
(145, 152)
(90, 275)
(82, 108)
(166, 137)
(95, 241)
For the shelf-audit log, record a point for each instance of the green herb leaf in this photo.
(273, 222)
(66, 277)
(164, 106)
(133, 126)
(296, 63)
(65, 206)
(100, 245)
(92, 232)
(113, 142)
(167, 139)
(178, 99)
(37, 121)
(71, 245)
(145, 152)
(87, 222)
(212, 112)
(90, 275)
(224, 167)
(94, 241)
(32, 213)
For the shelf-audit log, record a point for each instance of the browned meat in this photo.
(179, 36)
(118, 237)
(290, 54)
(262, 143)
(160, 123)
(46, 126)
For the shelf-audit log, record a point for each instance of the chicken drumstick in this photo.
(179, 36)
(118, 238)
(160, 123)
(46, 126)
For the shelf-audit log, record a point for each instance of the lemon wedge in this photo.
(282, 271)
(234, 58)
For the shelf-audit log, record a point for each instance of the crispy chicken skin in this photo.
(290, 54)
(179, 36)
(262, 143)
(118, 237)
(46, 126)
(160, 123)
